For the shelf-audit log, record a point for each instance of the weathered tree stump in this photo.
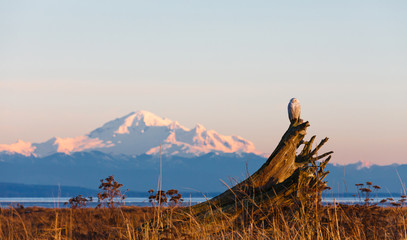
(286, 178)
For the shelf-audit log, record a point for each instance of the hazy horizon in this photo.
(68, 67)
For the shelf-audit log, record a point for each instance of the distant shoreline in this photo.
(15, 190)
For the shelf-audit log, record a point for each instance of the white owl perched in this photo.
(294, 110)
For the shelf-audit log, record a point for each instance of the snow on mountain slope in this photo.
(21, 147)
(138, 133)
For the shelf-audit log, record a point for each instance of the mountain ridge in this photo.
(137, 133)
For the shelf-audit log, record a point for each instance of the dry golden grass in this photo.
(329, 222)
(87, 223)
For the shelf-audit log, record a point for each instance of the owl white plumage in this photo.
(294, 110)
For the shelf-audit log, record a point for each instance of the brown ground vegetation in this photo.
(328, 222)
(65, 223)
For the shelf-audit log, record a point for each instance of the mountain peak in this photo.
(150, 119)
(199, 127)
(141, 118)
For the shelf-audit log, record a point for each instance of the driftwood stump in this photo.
(286, 178)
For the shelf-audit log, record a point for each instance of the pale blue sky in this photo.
(66, 67)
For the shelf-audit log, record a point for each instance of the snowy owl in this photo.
(294, 110)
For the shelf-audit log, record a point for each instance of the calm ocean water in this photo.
(50, 202)
(134, 201)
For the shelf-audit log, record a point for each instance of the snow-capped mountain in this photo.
(139, 133)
